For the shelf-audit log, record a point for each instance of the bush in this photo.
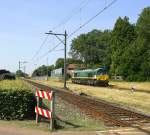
(16, 102)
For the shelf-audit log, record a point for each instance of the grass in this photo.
(71, 119)
(13, 85)
(143, 86)
(120, 93)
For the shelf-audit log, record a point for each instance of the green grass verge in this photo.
(72, 119)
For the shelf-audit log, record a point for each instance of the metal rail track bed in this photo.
(110, 114)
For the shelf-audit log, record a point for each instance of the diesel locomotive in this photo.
(93, 77)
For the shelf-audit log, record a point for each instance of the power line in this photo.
(51, 50)
(88, 21)
(41, 46)
(64, 21)
(92, 18)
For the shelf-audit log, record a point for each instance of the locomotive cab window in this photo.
(75, 74)
(101, 72)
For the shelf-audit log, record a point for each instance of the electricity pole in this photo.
(47, 67)
(24, 67)
(65, 60)
(19, 65)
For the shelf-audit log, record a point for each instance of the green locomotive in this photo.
(93, 77)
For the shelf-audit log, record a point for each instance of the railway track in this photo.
(111, 115)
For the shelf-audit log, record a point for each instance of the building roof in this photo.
(73, 66)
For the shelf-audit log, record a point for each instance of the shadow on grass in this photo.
(60, 124)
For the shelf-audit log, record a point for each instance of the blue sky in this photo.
(23, 24)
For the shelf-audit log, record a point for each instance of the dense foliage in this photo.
(19, 73)
(91, 48)
(139, 52)
(16, 100)
(123, 35)
(6, 75)
(125, 49)
(60, 62)
(43, 70)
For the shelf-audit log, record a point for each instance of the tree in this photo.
(91, 48)
(123, 35)
(59, 63)
(19, 73)
(43, 70)
(143, 30)
(125, 49)
(73, 61)
(50, 68)
(139, 62)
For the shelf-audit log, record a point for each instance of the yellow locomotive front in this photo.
(101, 76)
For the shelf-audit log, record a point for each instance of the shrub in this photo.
(16, 102)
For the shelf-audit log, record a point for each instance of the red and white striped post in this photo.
(40, 94)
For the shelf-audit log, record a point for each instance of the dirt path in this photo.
(13, 130)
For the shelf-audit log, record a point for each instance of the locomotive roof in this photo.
(88, 70)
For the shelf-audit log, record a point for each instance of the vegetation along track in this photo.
(111, 115)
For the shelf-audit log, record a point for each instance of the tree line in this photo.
(46, 70)
(124, 50)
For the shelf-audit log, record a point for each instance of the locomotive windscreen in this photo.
(102, 71)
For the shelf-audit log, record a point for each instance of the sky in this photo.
(23, 24)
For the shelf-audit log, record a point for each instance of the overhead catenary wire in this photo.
(41, 46)
(51, 50)
(83, 25)
(63, 22)
(81, 5)
(92, 18)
